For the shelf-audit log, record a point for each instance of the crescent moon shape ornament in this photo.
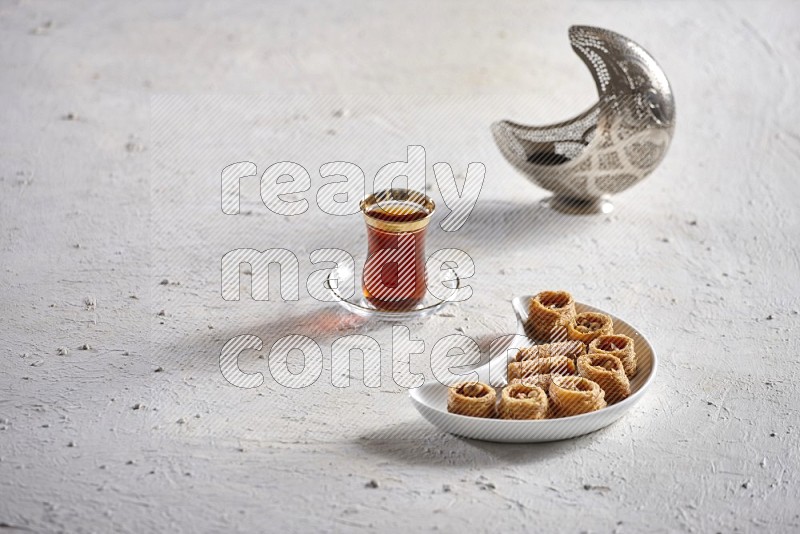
(609, 147)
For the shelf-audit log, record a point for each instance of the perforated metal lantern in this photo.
(611, 146)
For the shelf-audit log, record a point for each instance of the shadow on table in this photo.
(494, 227)
(201, 349)
(500, 225)
(419, 443)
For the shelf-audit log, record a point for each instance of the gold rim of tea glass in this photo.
(421, 200)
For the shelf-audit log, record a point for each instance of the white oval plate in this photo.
(431, 399)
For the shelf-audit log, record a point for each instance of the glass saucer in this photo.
(357, 304)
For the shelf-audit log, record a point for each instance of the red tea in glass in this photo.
(394, 274)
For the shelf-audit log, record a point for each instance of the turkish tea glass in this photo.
(394, 274)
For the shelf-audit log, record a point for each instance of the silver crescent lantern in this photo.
(611, 146)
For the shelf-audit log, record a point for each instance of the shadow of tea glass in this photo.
(394, 274)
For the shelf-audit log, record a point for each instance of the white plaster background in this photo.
(713, 447)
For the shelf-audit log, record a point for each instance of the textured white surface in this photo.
(703, 256)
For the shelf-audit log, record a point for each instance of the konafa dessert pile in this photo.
(579, 366)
